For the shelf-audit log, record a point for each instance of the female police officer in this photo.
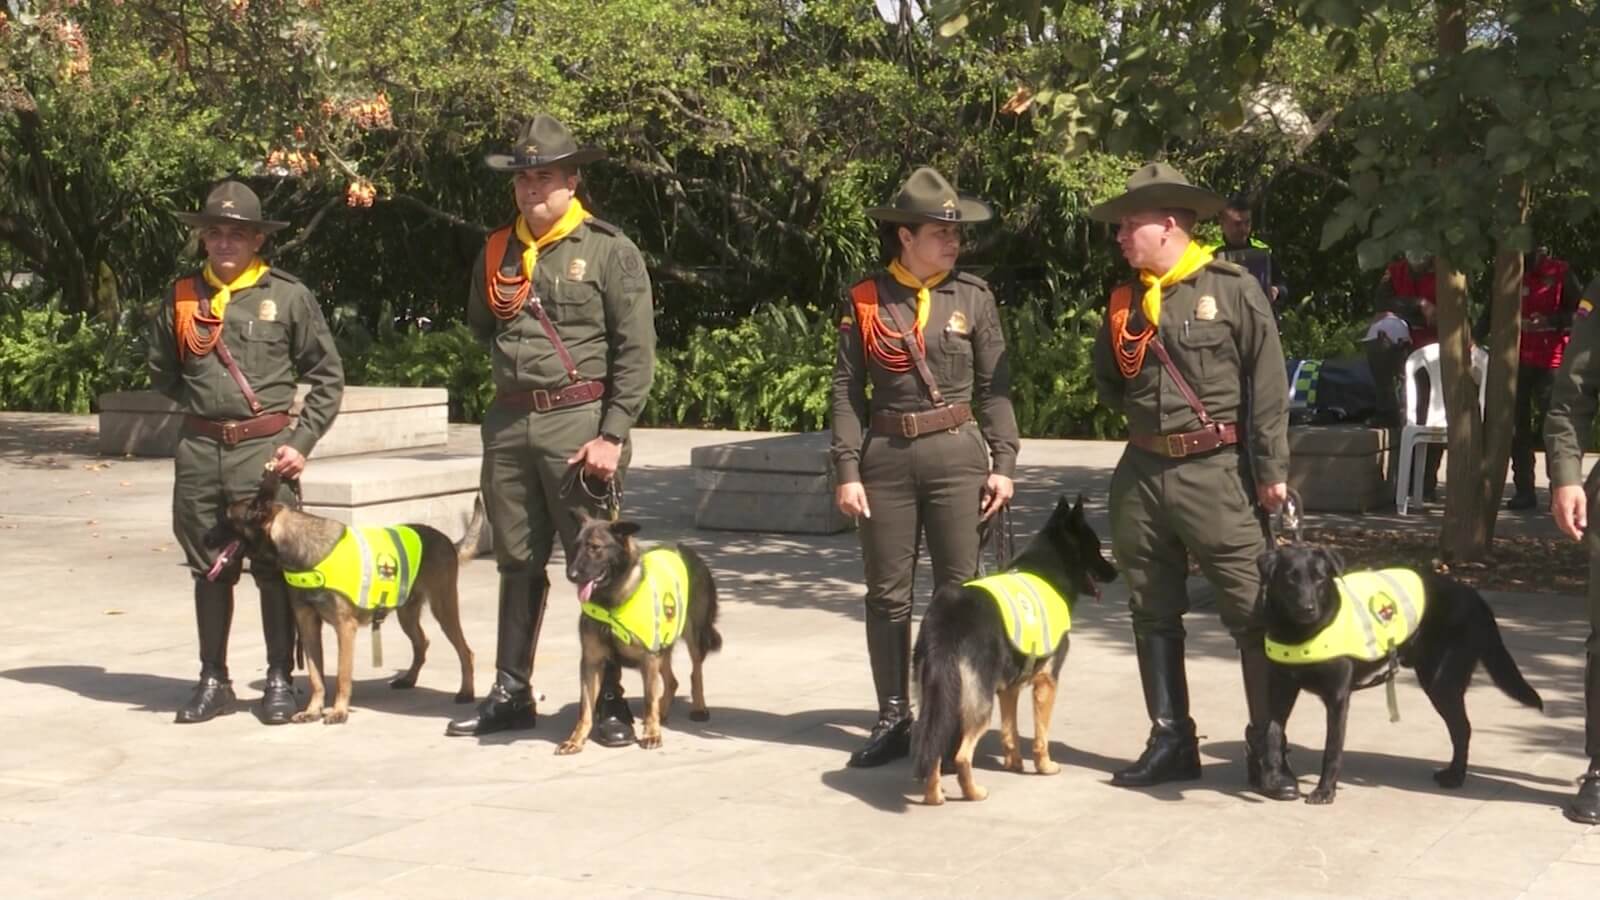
(928, 340)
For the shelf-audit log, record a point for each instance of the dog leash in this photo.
(610, 496)
(1285, 524)
(998, 537)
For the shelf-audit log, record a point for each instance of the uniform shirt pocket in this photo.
(578, 298)
(1209, 351)
(954, 368)
(267, 354)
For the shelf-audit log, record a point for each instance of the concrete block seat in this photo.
(783, 483)
(371, 419)
(1340, 468)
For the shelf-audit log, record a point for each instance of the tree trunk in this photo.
(1499, 402)
(1464, 536)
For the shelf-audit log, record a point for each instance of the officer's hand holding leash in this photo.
(599, 458)
(1569, 505)
(288, 462)
(1271, 496)
(997, 492)
(851, 498)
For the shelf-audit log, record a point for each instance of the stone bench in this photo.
(434, 487)
(782, 483)
(1340, 468)
(371, 419)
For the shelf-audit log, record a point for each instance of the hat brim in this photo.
(505, 162)
(1204, 203)
(969, 211)
(201, 220)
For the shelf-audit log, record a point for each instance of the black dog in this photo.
(964, 658)
(1456, 632)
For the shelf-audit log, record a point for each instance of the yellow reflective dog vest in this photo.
(654, 614)
(372, 567)
(1035, 614)
(1377, 612)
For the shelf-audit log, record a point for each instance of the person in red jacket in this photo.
(1550, 293)
(1407, 290)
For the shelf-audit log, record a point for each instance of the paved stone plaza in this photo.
(102, 796)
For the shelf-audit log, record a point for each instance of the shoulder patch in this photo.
(604, 227)
(971, 279)
(631, 261)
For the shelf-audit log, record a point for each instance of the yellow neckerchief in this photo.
(655, 613)
(252, 273)
(1035, 615)
(1195, 256)
(1378, 611)
(924, 298)
(568, 223)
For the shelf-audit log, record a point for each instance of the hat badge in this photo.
(227, 204)
(531, 150)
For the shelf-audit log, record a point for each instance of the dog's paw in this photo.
(1047, 766)
(335, 716)
(307, 715)
(649, 742)
(569, 747)
(1322, 796)
(977, 794)
(403, 682)
(933, 798)
(1451, 777)
(1012, 762)
(464, 697)
(699, 715)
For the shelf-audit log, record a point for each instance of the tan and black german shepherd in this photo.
(963, 658)
(295, 541)
(606, 567)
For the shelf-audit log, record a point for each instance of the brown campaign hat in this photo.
(543, 142)
(1158, 186)
(231, 203)
(928, 197)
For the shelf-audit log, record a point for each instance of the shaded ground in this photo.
(1523, 564)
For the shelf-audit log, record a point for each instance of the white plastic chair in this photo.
(1409, 476)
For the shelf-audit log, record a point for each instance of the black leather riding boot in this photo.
(1270, 778)
(1172, 752)
(1585, 806)
(278, 704)
(509, 704)
(889, 648)
(213, 615)
(613, 720)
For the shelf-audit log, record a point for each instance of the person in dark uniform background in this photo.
(1182, 488)
(267, 324)
(1550, 293)
(1574, 397)
(1240, 245)
(563, 302)
(914, 463)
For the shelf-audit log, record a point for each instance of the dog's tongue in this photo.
(223, 558)
(584, 591)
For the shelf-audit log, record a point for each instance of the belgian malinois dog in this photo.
(611, 573)
(296, 541)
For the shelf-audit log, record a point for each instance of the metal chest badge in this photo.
(576, 269)
(957, 323)
(267, 311)
(1206, 309)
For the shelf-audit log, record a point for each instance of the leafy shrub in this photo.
(54, 362)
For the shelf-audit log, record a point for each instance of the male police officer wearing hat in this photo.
(563, 301)
(1180, 488)
(227, 346)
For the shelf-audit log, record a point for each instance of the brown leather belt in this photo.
(1191, 443)
(916, 424)
(544, 401)
(231, 432)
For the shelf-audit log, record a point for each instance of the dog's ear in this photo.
(581, 516)
(622, 528)
(1332, 560)
(1267, 562)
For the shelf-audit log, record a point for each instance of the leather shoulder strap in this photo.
(1189, 395)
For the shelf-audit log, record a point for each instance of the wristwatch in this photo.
(611, 438)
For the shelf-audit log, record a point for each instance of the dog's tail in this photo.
(467, 547)
(1507, 677)
(938, 706)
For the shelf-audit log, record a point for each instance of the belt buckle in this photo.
(230, 433)
(541, 400)
(1176, 448)
(908, 426)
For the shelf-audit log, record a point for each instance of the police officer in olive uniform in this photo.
(1573, 400)
(227, 346)
(563, 301)
(927, 339)
(1182, 487)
